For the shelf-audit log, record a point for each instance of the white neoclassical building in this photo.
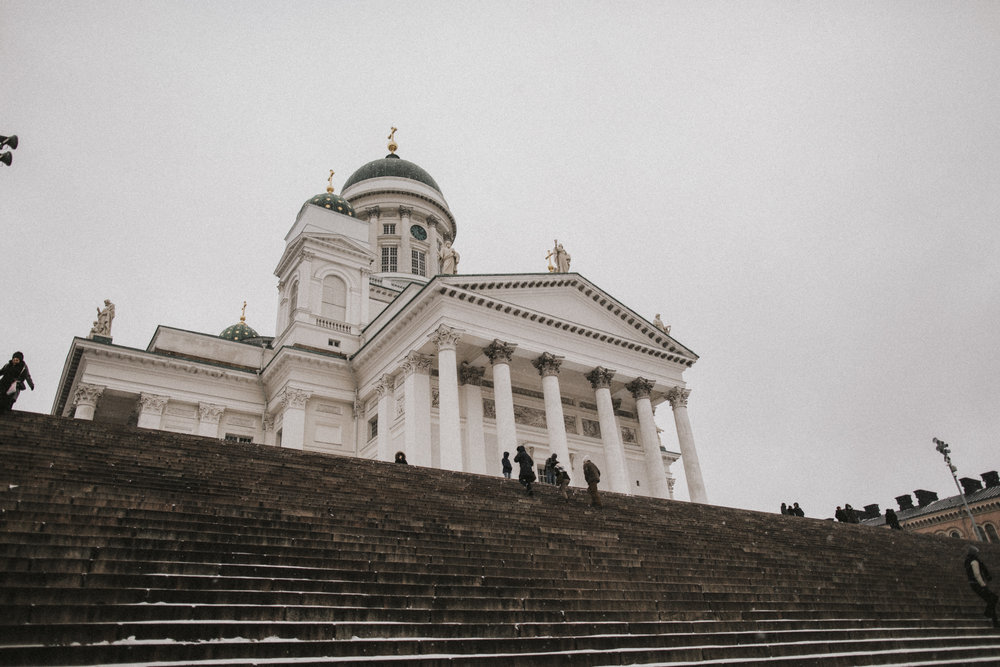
(376, 351)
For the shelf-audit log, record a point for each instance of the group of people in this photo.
(14, 376)
(792, 510)
(554, 474)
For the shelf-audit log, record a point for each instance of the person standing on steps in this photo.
(506, 465)
(401, 458)
(592, 474)
(13, 377)
(527, 474)
(796, 510)
(562, 479)
(892, 520)
(550, 469)
(979, 578)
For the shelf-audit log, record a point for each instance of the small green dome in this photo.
(392, 166)
(333, 202)
(239, 332)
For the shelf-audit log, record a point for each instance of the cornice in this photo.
(177, 363)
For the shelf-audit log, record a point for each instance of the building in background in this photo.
(381, 345)
(947, 516)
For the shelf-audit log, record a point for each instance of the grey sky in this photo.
(807, 192)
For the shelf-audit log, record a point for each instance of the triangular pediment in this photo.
(573, 299)
(335, 244)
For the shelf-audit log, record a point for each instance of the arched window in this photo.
(334, 298)
(293, 300)
(991, 532)
(955, 533)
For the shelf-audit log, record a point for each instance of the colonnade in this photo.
(458, 385)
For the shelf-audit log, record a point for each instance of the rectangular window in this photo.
(389, 259)
(419, 262)
(373, 428)
(244, 439)
(389, 228)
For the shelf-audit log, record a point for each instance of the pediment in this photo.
(335, 244)
(571, 298)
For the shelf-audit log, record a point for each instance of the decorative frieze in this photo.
(591, 428)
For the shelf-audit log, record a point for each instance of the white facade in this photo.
(370, 357)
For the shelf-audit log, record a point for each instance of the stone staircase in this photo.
(128, 546)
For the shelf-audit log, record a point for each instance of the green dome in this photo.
(239, 332)
(392, 166)
(333, 202)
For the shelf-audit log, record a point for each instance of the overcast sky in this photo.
(809, 193)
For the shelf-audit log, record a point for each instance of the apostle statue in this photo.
(658, 323)
(559, 257)
(102, 326)
(449, 258)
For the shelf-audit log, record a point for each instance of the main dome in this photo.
(392, 166)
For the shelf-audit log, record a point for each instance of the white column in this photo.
(450, 428)
(151, 410)
(383, 446)
(678, 397)
(85, 401)
(548, 367)
(475, 436)
(611, 435)
(500, 354)
(417, 409)
(293, 419)
(208, 419)
(649, 439)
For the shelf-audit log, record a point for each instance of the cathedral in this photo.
(383, 343)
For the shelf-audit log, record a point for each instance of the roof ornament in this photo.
(243, 315)
(329, 187)
(561, 258)
(392, 141)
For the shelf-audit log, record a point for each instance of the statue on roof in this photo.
(102, 325)
(560, 257)
(449, 258)
(658, 323)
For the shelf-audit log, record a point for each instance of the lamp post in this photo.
(945, 450)
(11, 141)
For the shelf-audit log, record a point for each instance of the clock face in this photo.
(418, 232)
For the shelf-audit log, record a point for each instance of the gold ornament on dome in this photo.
(392, 141)
(329, 187)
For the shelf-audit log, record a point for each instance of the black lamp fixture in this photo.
(5, 142)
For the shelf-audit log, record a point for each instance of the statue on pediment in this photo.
(102, 325)
(658, 323)
(449, 258)
(558, 259)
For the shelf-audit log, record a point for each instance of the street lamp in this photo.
(945, 451)
(11, 141)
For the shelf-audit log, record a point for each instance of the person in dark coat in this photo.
(892, 520)
(796, 510)
(850, 516)
(550, 469)
(784, 508)
(592, 474)
(979, 579)
(505, 464)
(527, 474)
(13, 376)
(401, 458)
(562, 479)
(839, 515)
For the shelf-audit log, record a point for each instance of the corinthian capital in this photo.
(210, 413)
(678, 397)
(600, 377)
(373, 213)
(499, 352)
(547, 364)
(405, 212)
(294, 398)
(415, 362)
(471, 374)
(640, 388)
(445, 337)
(384, 386)
(87, 394)
(152, 402)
